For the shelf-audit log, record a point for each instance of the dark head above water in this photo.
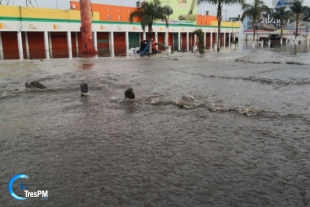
(35, 84)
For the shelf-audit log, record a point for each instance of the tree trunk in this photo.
(281, 34)
(254, 29)
(219, 36)
(219, 20)
(150, 34)
(281, 30)
(150, 38)
(297, 23)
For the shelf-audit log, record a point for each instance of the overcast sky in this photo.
(229, 11)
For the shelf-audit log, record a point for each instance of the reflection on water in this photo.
(87, 66)
(102, 151)
(291, 48)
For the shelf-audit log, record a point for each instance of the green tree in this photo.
(201, 41)
(150, 12)
(283, 16)
(254, 12)
(220, 4)
(297, 8)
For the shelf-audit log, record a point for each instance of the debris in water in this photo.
(4, 94)
(35, 84)
(114, 99)
(84, 89)
(247, 111)
(129, 93)
(244, 111)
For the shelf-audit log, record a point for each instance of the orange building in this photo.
(30, 33)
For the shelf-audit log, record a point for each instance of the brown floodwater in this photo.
(102, 151)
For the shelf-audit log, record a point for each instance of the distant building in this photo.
(276, 4)
(279, 3)
(268, 24)
(234, 19)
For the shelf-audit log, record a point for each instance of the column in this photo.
(195, 40)
(50, 44)
(190, 42)
(205, 40)
(112, 44)
(27, 45)
(77, 44)
(235, 36)
(69, 44)
(156, 39)
(224, 39)
(165, 39)
(1, 48)
(180, 41)
(166, 43)
(127, 43)
(187, 41)
(211, 41)
(46, 48)
(229, 39)
(95, 40)
(144, 36)
(20, 45)
(139, 38)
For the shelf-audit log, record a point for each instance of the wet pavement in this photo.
(184, 141)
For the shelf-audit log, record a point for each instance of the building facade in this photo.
(38, 33)
(279, 3)
(269, 25)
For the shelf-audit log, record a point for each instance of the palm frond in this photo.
(136, 13)
(233, 2)
(282, 15)
(297, 7)
(246, 13)
(254, 11)
(149, 12)
(245, 6)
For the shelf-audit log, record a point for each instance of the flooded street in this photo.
(160, 150)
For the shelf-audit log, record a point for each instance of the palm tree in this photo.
(283, 16)
(297, 8)
(148, 13)
(220, 4)
(254, 11)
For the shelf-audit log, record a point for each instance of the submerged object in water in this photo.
(129, 93)
(84, 89)
(35, 84)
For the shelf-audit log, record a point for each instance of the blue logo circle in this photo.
(18, 176)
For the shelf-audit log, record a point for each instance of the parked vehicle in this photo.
(274, 38)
